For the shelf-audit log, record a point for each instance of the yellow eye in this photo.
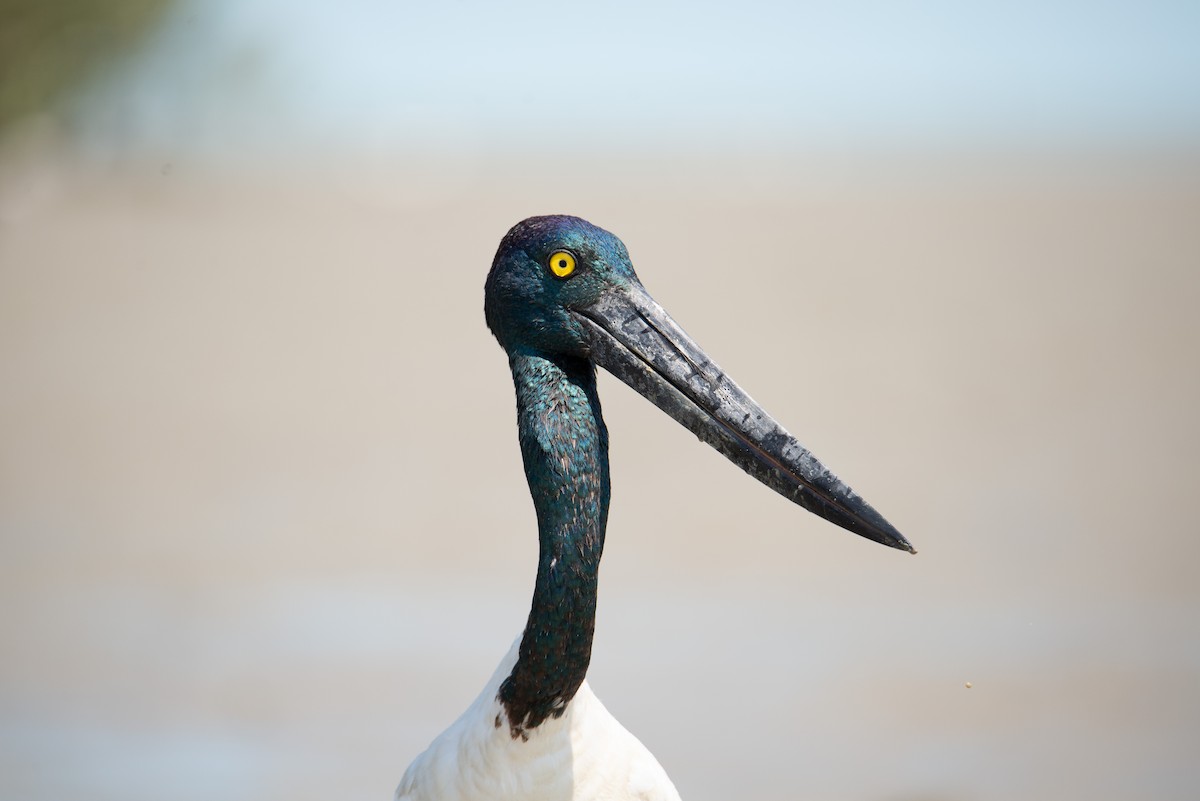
(562, 263)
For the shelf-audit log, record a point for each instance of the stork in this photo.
(562, 297)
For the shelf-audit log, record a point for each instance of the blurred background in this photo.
(263, 527)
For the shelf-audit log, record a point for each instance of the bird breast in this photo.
(584, 755)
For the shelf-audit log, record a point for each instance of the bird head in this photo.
(546, 270)
(564, 287)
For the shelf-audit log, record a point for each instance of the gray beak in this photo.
(632, 337)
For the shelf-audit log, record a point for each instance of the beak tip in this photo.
(889, 536)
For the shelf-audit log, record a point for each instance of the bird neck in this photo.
(564, 444)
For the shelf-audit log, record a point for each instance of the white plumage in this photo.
(585, 754)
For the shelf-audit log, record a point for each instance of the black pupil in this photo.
(562, 264)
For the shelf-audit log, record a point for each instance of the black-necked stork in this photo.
(561, 298)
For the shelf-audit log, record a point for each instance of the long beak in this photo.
(636, 340)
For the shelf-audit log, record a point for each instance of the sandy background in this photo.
(264, 532)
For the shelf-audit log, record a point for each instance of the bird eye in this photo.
(562, 263)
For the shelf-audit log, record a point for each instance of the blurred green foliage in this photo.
(48, 47)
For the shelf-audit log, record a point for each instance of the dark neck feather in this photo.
(565, 447)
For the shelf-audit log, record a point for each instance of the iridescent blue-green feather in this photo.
(564, 444)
